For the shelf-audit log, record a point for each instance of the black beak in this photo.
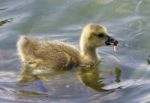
(111, 41)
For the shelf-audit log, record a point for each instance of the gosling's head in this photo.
(94, 35)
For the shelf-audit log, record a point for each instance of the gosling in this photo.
(55, 54)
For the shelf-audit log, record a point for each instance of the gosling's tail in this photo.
(23, 46)
(23, 41)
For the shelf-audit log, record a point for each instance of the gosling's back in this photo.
(52, 54)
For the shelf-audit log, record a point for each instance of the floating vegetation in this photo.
(148, 60)
(2, 22)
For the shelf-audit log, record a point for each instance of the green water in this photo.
(127, 20)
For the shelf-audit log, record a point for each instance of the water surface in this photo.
(127, 20)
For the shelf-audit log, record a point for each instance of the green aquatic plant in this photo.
(148, 60)
(2, 22)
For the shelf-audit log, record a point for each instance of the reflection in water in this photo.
(28, 92)
(30, 74)
(117, 74)
(91, 77)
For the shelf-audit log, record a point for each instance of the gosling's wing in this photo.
(57, 54)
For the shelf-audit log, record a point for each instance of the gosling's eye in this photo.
(101, 35)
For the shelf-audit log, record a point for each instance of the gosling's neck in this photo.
(89, 54)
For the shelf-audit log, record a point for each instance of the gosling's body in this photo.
(52, 54)
(61, 55)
